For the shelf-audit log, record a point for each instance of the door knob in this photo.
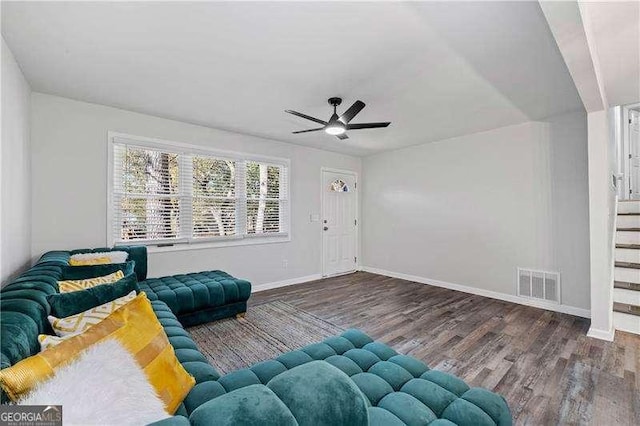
(326, 228)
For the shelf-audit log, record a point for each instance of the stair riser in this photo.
(628, 222)
(627, 275)
(627, 237)
(626, 322)
(627, 255)
(629, 297)
(629, 207)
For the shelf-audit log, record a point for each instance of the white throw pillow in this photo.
(103, 386)
(115, 256)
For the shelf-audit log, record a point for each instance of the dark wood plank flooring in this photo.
(541, 361)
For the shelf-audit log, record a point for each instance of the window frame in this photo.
(186, 240)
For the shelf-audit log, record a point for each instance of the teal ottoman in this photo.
(200, 297)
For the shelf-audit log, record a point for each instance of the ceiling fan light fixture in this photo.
(335, 128)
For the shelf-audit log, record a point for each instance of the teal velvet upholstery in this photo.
(313, 394)
(254, 405)
(212, 314)
(24, 309)
(200, 297)
(318, 393)
(66, 304)
(91, 271)
(394, 389)
(398, 389)
(172, 421)
(195, 298)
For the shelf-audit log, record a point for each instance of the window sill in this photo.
(247, 241)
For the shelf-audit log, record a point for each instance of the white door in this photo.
(339, 214)
(634, 142)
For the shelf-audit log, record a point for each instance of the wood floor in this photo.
(541, 361)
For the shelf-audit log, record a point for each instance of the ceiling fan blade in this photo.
(366, 125)
(309, 130)
(308, 117)
(342, 136)
(352, 112)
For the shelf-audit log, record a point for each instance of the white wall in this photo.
(602, 203)
(69, 161)
(15, 176)
(469, 210)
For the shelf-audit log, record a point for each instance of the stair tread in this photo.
(626, 285)
(625, 308)
(629, 265)
(629, 229)
(628, 246)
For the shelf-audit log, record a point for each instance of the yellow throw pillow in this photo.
(75, 285)
(78, 323)
(95, 261)
(136, 327)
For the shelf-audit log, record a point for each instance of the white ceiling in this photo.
(435, 70)
(615, 27)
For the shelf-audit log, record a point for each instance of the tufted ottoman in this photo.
(200, 297)
(399, 389)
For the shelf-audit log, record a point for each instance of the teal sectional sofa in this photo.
(345, 380)
(195, 298)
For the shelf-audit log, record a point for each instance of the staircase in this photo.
(626, 291)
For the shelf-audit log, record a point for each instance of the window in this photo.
(264, 203)
(163, 193)
(339, 185)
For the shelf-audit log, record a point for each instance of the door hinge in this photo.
(355, 185)
(355, 259)
(355, 222)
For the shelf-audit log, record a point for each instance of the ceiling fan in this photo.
(338, 126)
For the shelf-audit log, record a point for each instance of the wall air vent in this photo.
(541, 285)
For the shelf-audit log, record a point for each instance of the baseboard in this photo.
(285, 283)
(601, 334)
(565, 309)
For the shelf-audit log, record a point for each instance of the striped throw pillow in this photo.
(75, 285)
(74, 324)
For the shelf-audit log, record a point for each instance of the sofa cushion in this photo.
(138, 254)
(91, 271)
(317, 393)
(398, 389)
(252, 405)
(25, 309)
(67, 304)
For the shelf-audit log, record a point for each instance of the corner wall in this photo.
(69, 140)
(602, 215)
(15, 170)
(466, 212)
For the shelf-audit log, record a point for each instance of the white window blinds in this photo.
(164, 194)
(266, 204)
